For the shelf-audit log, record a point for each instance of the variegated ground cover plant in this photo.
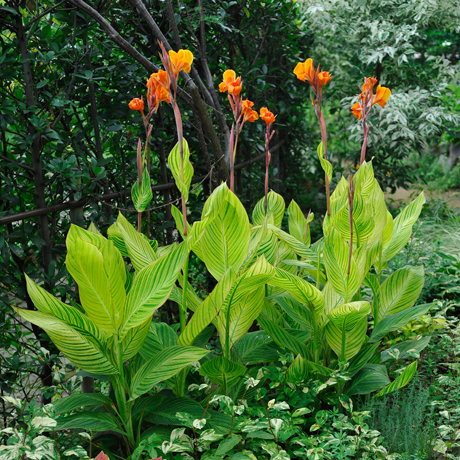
(329, 303)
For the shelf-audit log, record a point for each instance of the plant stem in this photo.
(322, 124)
(363, 148)
(139, 221)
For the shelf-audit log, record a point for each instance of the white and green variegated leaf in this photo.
(365, 256)
(140, 250)
(208, 309)
(79, 347)
(240, 316)
(298, 224)
(181, 168)
(225, 240)
(134, 340)
(402, 227)
(336, 255)
(152, 287)
(48, 304)
(222, 371)
(297, 246)
(115, 235)
(327, 167)
(401, 381)
(400, 291)
(100, 274)
(346, 328)
(275, 207)
(301, 290)
(163, 366)
(142, 194)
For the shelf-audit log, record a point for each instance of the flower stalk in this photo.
(269, 119)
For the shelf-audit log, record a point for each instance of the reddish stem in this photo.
(139, 221)
(363, 148)
(232, 159)
(322, 124)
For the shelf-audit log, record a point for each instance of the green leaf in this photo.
(227, 444)
(151, 287)
(275, 205)
(253, 348)
(138, 246)
(163, 366)
(401, 381)
(362, 358)
(114, 234)
(159, 337)
(346, 328)
(91, 421)
(222, 371)
(162, 410)
(405, 348)
(296, 310)
(80, 348)
(181, 168)
(371, 377)
(327, 167)
(397, 320)
(336, 254)
(298, 224)
(400, 291)
(134, 340)
(297, 246)
(298, 371)
(77, 401)
(142, 194)
(402, 227)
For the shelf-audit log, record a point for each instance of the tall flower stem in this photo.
(322, 124)
(233, 143)
(363, 148)
(351, 195)
(268, 135)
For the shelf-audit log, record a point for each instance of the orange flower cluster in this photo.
(367, 97)
(249, 114)
(267, 116)
(182, 60)
(137, 104)
(306, 71)
(231, 83)
(158, 89)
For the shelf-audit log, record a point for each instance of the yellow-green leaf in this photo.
(181, 169)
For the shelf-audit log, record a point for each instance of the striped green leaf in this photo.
(387, 232)
(336, 253)
(301, 290)
(298, 224)
(114, 234)
(275, 207)
(364, 179)
(181, 168)
(134, 340)
(222, 371)
(283, 253)
(282, 337)
(209, 309)
(80, 348)
(151, 288)
(298, 371)
(401, 381)
(92, 237)
(138, 246)
(402, 227)
(47, 303)
(327, 167)
(377, 208)
(163, 366)
(142, 194)
(346, 328)
(93, 229)
(100, 274)
(159, 337)
(296, 310)
(331, 299)
(319, 369)
(405, 348)
(371, 377)
(79, 400)
(400, 290)
(225, 240)
(297, 246)
(362, 358)
(91, 421)
(392, 322)
(253, 348)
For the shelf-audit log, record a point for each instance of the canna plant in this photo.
(329, 303)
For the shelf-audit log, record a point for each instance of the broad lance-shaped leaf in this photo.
(346, 328)
(142, 194)
(298, 224)
(80, 348)
(400, 291)
(152, 287)
(92, 421)
(401, 381)
(79, 400)
(402, 350)
(134, 340)
(297, 246)
(371, 377)
(275, 207)
(327, 167)
(392, 322)
(181, 169)
(222, 371)
(296, 310)
(298, 371)
(336, 253)
(114, 234)
(137, 244)
(402, 227)
(100, 274)
(159, 337)
(47, 303)
(301, 290)
(163, 366)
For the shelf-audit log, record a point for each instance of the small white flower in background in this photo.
(251, 382)
(39, 422)
(271, 403)
(199, 423)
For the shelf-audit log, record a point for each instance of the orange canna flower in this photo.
(157, 89)
(248, 113)
(137, 104)
(369, 83)
(231, 83)
(381, 96)
(305, 71)
(267, 116)
(357, 110)
(182, 60)
(323, 78)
